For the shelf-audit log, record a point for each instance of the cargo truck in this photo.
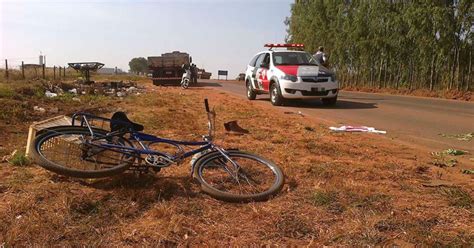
(168, 68)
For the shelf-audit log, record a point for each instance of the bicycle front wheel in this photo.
(73, 151)
(239, 177)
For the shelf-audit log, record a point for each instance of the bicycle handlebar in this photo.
(206, 103)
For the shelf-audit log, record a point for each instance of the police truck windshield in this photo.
(293, 58)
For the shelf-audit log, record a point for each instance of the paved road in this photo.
(414, 120)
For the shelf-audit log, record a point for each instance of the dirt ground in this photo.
(342, 189)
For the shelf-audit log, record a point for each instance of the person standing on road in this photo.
(193, 73)
(320, 56)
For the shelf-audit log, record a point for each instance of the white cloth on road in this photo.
(357, 129)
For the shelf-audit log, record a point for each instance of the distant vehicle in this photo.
(168, 68)
(289, 74)
(203, 74)
(241, 77)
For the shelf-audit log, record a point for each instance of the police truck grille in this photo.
(315, 79)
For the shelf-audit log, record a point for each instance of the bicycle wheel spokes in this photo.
(241, 176)
(77, 150)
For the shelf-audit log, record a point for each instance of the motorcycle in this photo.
(186, 78)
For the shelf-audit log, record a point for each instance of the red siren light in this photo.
(271, 45)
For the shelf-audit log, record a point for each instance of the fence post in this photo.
(6, 68)
(64, 72)
(23, 69)
(44, 75)
(59, 73)
(54, 72)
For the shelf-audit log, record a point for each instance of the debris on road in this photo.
(437, 183)
(7, 158)
(39, 109)
(462, 137)
(450, 151)
(441, 160)
(118, 88)
(296, 113)
(468, 171)
(50, 94)
(310, 129)
(233, 127)
(357, 129)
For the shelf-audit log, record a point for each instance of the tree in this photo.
(138, 65)
(425, 44)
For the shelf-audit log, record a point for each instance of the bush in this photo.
(6, 92)
(19, 159)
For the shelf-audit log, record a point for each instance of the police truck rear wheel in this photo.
(251, 94)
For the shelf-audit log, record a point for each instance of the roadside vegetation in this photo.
(400, 45)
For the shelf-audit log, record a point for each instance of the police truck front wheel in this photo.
(275, 95)
(251, 94)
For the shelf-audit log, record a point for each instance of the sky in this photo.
(218, 34)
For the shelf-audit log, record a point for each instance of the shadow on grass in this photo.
(166, 187)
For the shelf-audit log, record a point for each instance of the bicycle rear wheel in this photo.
(72, 151)
(244, 177)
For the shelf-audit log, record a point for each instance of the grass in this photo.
(19, 159)
(323, 198)
(6, 91)
(458, 197)
(340, 190)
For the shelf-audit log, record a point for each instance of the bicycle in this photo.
(86, 151)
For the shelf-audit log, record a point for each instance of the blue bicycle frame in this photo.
(140, 138)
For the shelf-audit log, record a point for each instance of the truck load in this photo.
(168, 68)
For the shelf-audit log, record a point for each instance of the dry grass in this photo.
(448, 94)
(341, 190)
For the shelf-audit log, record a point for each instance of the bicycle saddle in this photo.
(120, 121)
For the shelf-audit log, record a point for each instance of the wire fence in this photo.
(30, 68)
(12, 69)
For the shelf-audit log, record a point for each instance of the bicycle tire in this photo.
(232, 197)
(55, 167)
